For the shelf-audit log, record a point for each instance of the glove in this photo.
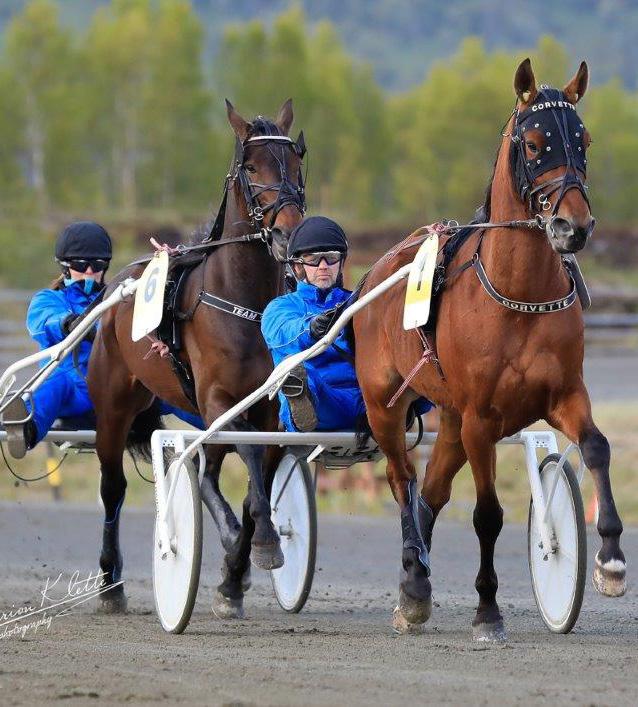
(321, 323)
(69, 324)
(66, 324)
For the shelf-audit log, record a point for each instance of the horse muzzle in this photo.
(279, 244)
(567, 236)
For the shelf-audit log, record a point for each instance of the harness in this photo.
(185, 258)
(564, 145)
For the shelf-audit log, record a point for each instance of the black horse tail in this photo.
(139, 437)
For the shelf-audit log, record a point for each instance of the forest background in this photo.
(114, 111)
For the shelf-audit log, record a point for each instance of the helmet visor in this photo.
(82, 265)
(332, 257)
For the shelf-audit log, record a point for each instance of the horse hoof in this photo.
(226, 608)
(401, 625)
(267, 557)
(490, 633)
(610, 577)
(113, 602)
(414, 611)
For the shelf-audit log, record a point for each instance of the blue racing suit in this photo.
(332, 380)
(64, 393)
(331, 377)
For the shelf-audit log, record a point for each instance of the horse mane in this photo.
(259, 126)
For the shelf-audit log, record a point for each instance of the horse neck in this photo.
(244, 270)
(520, 262)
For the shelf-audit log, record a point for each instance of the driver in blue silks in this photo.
(83, 251)
(322, 393)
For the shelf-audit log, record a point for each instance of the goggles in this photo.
(81, 265)
(332, 257)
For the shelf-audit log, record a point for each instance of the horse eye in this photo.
(531, 147)
(250, 168)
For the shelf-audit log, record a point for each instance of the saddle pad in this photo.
(418, 295)
(149, 298)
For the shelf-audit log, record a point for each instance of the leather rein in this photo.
(552, 103)
(287, 193)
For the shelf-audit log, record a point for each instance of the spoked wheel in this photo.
(176, 576)
(558, 578)
(294, 514)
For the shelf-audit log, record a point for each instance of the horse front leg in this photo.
(266, 547)
(572, 416)
(476, 434)
(228, 602)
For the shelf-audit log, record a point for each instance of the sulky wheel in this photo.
(294, 514)
(176, 575)
(558, 577)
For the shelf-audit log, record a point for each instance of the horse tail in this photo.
(139, 437)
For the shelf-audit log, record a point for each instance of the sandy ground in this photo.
(339, 650)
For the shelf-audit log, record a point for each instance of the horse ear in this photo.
(285, 117)
(576, 88)
(238, 124)
(525, 83)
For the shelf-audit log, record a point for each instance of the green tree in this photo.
(611, 115)
(39, 60)
(178, 140)
(12, 186)
(118, 56)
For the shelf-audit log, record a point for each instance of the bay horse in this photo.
(501, 366)
(223, 356)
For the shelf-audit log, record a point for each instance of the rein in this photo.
(287, 193)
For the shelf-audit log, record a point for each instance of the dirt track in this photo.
(339, 650)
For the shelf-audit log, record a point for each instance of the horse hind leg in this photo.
(448, 456)
(110, 448)
(488, 623)
(572, 416)
(415, 591)
(116, 406)
(266, 547)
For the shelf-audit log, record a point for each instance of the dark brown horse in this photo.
(502, 368)
(222, 352)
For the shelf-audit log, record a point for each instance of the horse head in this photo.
(267, 175)
(548, 157)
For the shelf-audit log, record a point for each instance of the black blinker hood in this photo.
(563, 132)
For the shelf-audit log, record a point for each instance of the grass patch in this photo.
(619, 421)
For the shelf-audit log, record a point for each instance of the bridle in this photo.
(554, 115)
(287, 192)
(557, 118)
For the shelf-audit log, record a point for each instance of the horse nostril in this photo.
(561, 227)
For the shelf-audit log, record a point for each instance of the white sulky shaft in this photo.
(60, 351)
(278, 376)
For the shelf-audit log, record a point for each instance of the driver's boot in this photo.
(297, 393)
(20, 431)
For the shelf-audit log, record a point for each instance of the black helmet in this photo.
(315, 234)
(85, 240)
